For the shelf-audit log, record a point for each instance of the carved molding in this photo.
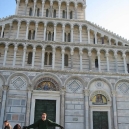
(5, 87)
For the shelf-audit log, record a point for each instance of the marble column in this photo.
(18, 28)
(9, 30)
(43, 55)
(24, 57)
(42, 8)
(80, 53)
(17, 6)
(29, 95)
(26, 3)
(84, 7)
(27, 27)
(88, 35)
(80, 30)
(33, 58)
(53, 58)
(63, 32)
(115, 56)
(55, 32)
(62, 52)
(59, 10)
(99, 61)
(125, 64)
(109, 39)
(5, 55)
(3, 26)
(72, 52)
(36, 29)
(115, 110)
(14, 57)
(90, 60)
(71, 33)
(107, 59)
(95, 33)
(3, 104)
(45, 31)
(62, 93)
(34, 7)
(116, 41)
(76, 11)
(67, 10)
(102, 37)
(86, 107)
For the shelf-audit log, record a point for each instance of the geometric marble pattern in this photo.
(99, 84)
(74, 86)
(18, 82)
(124, 87)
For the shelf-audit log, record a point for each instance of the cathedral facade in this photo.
(53, 60)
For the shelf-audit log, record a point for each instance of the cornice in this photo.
(70, 44)
(64, 71)
(73, 21)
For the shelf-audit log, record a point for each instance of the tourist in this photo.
(7, 125)
(43, 123)
(17, 126)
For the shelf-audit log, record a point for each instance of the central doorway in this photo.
(100, 120)
(47, 106)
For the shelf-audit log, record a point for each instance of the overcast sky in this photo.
(110, 14)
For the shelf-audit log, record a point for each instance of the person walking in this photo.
(7, 125)
(43, 123)
(17, 126)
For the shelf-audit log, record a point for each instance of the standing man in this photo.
(43, 123)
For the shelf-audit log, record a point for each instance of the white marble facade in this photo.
(52, 41)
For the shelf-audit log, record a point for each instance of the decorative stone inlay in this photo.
(99, 84)
(74, 86)
(18, 82)
(47, 84)
(124, 87)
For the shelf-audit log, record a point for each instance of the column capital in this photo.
(59, 3)
(24, 48)
(3, 25)
(27, 24)
(36, 25)
(80, 52)
(88, 28)
(55, 25)
(35, 1)
(67, 4)
(62, 90)
(115, 54)
(51, 3)
(123, 55)
(107, 54)
(102, 35)
(53, 50)
(43, 49)
(95, 32)
(10, 24)
(6, 47)
(19, 23)
(72, 52)
(5, 87)
(62, 51)
(75, 5)
(26, 2)
(98, 53)
(89, 53)
(34, 49)
(80, 28)
(43, 2)
(15, 48)
(86, 92)
(29, 87)
(114, 92)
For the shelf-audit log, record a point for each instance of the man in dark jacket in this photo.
(43, 123)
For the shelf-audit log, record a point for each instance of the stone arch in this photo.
(46, 75)
(18, 74)
(99, 79)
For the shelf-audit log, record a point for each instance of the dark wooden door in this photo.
(100, 120)
(45, 106)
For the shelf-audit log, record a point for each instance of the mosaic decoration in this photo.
(74, 86)
(124, 87)
(18, 82)
(99, 99)
(99, 84)
(47, 84)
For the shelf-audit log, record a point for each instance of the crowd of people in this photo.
(42, 123)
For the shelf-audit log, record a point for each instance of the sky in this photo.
(110, 14)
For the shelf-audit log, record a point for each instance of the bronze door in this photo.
(46, 106)
(100, 120)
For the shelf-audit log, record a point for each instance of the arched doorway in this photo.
(45, 98)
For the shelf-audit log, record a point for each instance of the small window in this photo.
(30, 12)
(47, 12)
(65, 37)
(33, 35)
(50, 59)
(63, 16)
(69, 37)
(102, 40)
(96, 63)
(38, 11)
(54, 14)
(46, 56)
(66, 60)
(49, 36)
(94, 40)
(53, 36)
(128, 67)
(29, 58)
(29, 35)
(71, 14)
(3, 35)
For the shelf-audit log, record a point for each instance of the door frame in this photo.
(45, 95)
(100, 108)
